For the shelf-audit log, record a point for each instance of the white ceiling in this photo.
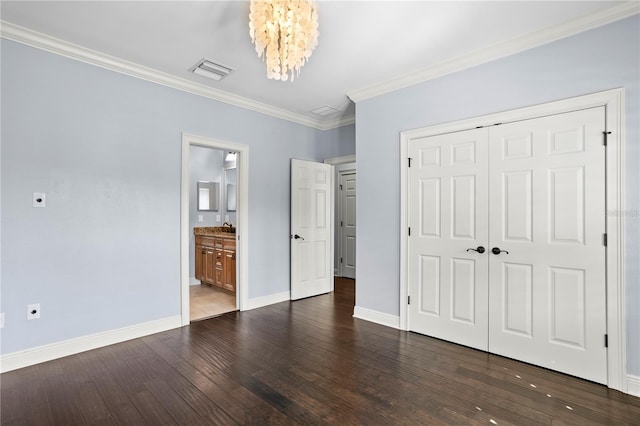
(364, 46)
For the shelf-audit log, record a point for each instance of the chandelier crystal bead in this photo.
(284, 32)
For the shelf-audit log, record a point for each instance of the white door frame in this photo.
(242, 218)
(613, 101)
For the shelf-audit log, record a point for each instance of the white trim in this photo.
(270, 299)
(633, 385)
(60, 47)
(613, 101)
(194, 281)
(242, 218)
(341, 160)
(56, 350)
(377, 317)
(499, 50)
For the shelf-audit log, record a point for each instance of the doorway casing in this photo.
(242, 218)
(613, 101)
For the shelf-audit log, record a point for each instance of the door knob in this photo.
(496, 250)
(479, 249)
(298, 237)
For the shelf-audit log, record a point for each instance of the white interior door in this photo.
(348, 225)
(448, 217)
(311, 243)
(547, 211)
(533, 194)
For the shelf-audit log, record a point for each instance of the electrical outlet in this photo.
(200, 218)
(39, 199)
(226, 218)
(218, 218)
(33, 311)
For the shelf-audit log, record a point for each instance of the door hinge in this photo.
(409, 161)
(341, 223)
(408, 300)
(606, 340)
(605, 137)
(340, 260)
(340, 187)
(409, 231)
(604, 239)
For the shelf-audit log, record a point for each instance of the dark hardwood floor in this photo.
(306, 362)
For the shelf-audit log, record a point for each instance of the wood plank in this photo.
(306, 362)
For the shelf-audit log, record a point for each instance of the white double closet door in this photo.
(533, 192)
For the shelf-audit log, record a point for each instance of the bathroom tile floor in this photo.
(206, 301)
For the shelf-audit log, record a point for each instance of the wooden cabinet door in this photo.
(230, 270)
(200, 258)
(210, 265)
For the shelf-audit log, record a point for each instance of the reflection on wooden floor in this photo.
(207, 302)
(307, 362)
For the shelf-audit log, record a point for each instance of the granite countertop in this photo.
(218, 231)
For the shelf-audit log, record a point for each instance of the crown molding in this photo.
(500, 50)
(60, 47)
(338, 122)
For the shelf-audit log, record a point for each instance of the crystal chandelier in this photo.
(286, 32)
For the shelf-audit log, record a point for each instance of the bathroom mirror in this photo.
(208, 196)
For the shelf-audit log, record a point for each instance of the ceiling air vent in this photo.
(209, 69)
(325, 110)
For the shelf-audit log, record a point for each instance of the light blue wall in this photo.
(597, 60)
(341, 140)
(106, 148)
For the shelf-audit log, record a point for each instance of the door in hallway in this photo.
(348, 225)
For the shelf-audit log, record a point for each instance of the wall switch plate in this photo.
(33, 311)
(226, 218)
(218, 218)
(39, 199)
(2, 320)
(200, 218)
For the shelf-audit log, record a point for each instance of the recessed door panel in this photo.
(518, 197)
(566, 140)
(430, 285)
(463, 209)
(463, 279)
(516, 147)
(429, 157)
(517, 301)
(321, 209)
(430, 207)
(463, 153)
(567, 313)
(566, 205)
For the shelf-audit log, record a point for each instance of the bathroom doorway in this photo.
(213, 203)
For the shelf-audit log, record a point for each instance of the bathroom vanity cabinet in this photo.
(215, 259)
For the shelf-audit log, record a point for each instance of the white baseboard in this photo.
(633, 385)
(381, 318)
(194, 281)
(259, 302)
(52, 351)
